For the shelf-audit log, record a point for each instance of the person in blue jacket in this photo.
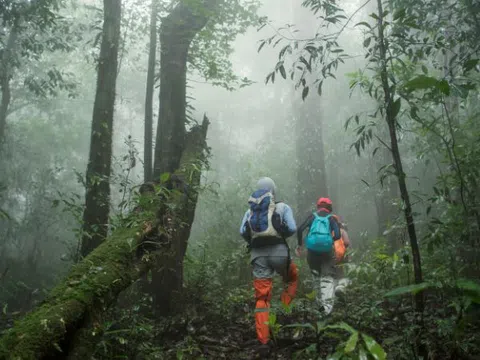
(265, 226)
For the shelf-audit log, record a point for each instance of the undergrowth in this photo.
(375, 321)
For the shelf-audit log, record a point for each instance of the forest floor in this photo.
(235, 338)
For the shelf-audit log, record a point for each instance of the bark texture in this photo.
(6, 68)
(176, 33)
(97, 198)
(148, 136)
(95, 282)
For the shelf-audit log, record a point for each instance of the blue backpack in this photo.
(263, 218)
(319, 238)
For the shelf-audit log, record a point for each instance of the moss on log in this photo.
(95, 282)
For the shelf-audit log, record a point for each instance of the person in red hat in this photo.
(323, 231)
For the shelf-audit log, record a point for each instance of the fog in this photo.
(391, 138)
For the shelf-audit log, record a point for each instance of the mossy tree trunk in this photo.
(51, 330)
(97, 197)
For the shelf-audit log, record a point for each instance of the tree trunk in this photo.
(95, 282)
(392, 127)
(97, 198)
(176, 33)
(5, 76)
(311, 172)
(384, 196)
(148, 146)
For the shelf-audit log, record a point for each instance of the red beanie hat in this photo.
(324, 201)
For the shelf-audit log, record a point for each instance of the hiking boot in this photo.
(263, 350)
(340, 293)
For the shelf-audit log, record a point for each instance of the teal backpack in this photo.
(319, 238)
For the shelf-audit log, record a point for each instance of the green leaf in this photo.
(471, 288)
(4, 215)
(362, 355)
(396, 107)
(410, 289)
(444, 87)
(301, 326)
(469, 285)
(366, 42)
(424, 69)
(364, 23)
(374, 348)
(342, 326)
(282, 71)
(319, 88)
(351, 343)
(261, 45)
(427, 82)
(398, 14)
(421, 82)
(336, 356)
(164, 177)
(305, 92)
(470, 64)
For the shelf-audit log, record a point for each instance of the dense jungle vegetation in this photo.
(132, 134)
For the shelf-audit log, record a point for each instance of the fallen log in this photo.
(49, 331)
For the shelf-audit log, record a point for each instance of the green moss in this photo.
(95, 282)
(102, 275)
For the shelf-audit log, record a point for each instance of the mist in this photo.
(370, 104)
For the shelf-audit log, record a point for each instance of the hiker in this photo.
(265, 226)
(323, 238)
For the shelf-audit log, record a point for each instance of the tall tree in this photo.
(148, 144)
(6, 75)
(391, 108)
(176, 33)
(311, 171)
(21, 22)
(97, 198)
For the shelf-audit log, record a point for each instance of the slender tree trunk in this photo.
(384, 196)
(311, 172)
(6, 68)
(148, 146)
(391, 121)
(97, 199)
